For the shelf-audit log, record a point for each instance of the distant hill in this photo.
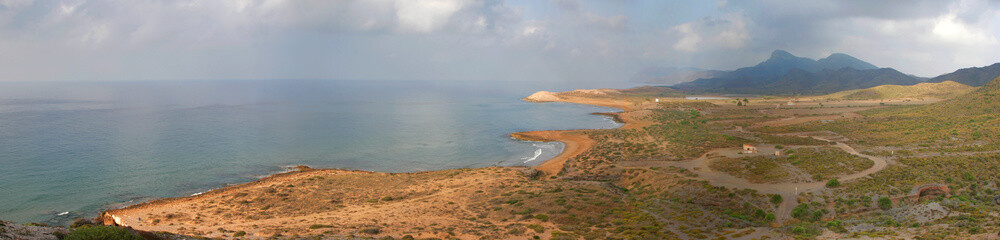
(974, 76)
(840, 60)
(784, 73)
(965, 122)
(984, 101)
(944, 90)
(671, 75)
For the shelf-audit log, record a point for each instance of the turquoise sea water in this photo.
(69, 150)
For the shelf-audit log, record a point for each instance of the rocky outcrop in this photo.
(9, 230)
(929, 190)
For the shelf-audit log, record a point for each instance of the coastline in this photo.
(575, 141)
(146, 216)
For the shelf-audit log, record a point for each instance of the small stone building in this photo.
(747, 148)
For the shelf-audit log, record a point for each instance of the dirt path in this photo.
(788, 191)
(577, 143)
(798, 120)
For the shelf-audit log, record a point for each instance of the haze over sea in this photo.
(69, 150)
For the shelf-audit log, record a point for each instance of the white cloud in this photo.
(729, 32)
(949, 28)
(689, 39)
(427, 15)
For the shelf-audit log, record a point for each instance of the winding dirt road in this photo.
(788, 191)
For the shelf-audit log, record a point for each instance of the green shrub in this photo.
(537, 228)
(884, 203)
(542, 217)
(102, 233)
(776, 199)
(801, 211)
(318, 226)
(371, 231)
(81, 222)
(833, 183)
(769, 217)
(240, 234)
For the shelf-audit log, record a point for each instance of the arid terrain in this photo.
(677, 169)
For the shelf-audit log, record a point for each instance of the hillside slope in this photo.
(984, 102)
(947, 89)
(966, 122)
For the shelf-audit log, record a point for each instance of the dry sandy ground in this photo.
(799, 120)
(439, 204)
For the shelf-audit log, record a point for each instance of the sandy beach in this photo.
(575, 141)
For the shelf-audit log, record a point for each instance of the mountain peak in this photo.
(840, 60)
(781, 54)
(840, 55)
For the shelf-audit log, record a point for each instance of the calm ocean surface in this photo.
(69, 150)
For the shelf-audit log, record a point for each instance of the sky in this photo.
(476, 40)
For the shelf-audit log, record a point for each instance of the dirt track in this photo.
(788, 191)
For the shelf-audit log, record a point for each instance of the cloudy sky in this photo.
(475, 40)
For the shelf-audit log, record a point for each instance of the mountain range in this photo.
(974, 76)
(784, 73)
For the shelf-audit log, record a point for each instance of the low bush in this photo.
(776, 199)
(833, 183)
(102, 233)
(884, 203)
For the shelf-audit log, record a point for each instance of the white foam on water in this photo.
(62, 213)
(538, 152)
(202, 192)
(542, 147)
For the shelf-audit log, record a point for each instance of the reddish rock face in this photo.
(930, 190)
(935, 190)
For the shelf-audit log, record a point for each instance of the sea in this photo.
(72, 149)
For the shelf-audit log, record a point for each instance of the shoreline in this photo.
(575, 142)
